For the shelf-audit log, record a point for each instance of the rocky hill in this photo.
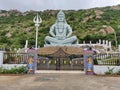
(89, 25)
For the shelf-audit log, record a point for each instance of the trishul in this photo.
(37, 20)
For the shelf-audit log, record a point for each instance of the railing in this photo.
(15, 58)
(107, 59)
(99, 59)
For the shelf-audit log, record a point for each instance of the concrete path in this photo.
(60, 71)
(59, 81)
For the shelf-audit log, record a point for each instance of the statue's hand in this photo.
(61, 37)
(67, 36)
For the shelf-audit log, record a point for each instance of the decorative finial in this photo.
(37, 20)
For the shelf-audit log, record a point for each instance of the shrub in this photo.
(118, 72)
(110, 71)
(95, 62)
(14, 70)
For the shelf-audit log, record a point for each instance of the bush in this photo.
(95, 62)
(14, 70)
(118, 72)
(110, 71)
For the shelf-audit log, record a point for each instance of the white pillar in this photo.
(83, 42)
(99, 41)
(10, 49)
(15, 49)
(103, 42)
(119, 48)
(1, 57)
(106, 42)
(26, 44)
(109, 43)
(90, 42)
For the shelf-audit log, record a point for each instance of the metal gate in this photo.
(60, 64)
(60, 61)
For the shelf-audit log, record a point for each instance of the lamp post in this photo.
(115, 38)
(37, 20)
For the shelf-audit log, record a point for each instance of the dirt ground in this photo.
(59, 82)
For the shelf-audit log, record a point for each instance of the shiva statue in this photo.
(60, 33)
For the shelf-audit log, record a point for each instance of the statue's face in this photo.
(60, 18)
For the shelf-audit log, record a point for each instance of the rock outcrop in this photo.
(106, 30)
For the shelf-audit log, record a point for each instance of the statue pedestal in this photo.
(62, 45)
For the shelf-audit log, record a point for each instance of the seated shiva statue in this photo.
(60, 33)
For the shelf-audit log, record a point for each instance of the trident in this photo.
(37, 20)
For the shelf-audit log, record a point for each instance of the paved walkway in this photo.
(60, 71)
(59, 81)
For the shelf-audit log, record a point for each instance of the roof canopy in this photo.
(60, 51)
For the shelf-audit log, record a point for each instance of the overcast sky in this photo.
(40, 5)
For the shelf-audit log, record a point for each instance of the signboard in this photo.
(88, 62)
(32, 60)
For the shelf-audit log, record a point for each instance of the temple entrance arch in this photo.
(60, 58)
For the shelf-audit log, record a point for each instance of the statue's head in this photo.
(61, 16)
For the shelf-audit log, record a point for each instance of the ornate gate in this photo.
(60, 60)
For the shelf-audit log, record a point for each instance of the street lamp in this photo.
(37, 20)
(115, 38)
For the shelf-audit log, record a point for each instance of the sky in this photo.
(40, 5)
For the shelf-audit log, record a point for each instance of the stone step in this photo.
(60, 71)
